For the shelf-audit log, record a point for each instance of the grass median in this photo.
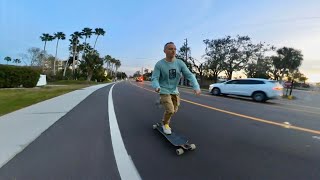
(17, 98)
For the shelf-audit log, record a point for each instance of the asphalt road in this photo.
(235, 139)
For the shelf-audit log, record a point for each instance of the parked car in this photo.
(260, 90)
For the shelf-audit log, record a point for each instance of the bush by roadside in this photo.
(17, 76)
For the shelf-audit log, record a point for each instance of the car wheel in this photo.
(215, 91)
(259, 97)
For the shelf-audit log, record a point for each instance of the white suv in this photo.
(259, 89)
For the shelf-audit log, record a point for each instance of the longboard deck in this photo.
(173, 138)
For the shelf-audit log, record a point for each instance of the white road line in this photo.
(126, 168)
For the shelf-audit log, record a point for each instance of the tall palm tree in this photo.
(58, 36)
(117, 65)
(74, 44)
(98, 32)
(107, 60)
(87, 32)
(113, 62)
(46, 37)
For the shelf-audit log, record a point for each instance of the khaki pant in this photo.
(170, 102)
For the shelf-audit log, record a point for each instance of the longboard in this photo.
(176, 140)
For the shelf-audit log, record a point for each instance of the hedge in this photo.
(17, 76)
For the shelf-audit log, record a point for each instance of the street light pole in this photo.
(186, 49)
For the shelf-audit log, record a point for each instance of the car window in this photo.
(232, 82)
(258, 82)
(244, 82)
(255, 82)
(247, 82)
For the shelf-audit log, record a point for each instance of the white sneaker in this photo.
(166, 129)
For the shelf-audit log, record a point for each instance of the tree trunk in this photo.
(55, 59)
(90, 73)
(229, 74)
(95, 42)
(42, 58)
(74, 61)
(275, 76)
(215, 76)
(201, 78)
(65, 69)
(85, 46)
(44, 48)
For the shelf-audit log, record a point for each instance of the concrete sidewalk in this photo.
(304, 98)
(18, 129)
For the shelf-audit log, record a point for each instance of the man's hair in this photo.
(165, 46)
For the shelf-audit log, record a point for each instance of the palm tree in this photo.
(7, 59)
(62, 36)
(98, 32)
(46, 37)
(87, 32)
(75, 41)
(117, 65)
(113, 62)
(107, 60)
(17, 61)
(66, 65)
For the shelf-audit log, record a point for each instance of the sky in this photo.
(137, 30)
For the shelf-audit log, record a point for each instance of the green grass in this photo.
(14, 99)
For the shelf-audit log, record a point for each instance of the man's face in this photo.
(170, 50)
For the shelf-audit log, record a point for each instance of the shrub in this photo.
(15, 76)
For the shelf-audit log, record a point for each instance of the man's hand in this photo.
(197, 92)
(157, 90)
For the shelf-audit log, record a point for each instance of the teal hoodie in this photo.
(166, 76)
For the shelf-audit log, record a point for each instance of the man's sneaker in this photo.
(166, 129)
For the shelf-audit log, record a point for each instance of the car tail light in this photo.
(277, 88)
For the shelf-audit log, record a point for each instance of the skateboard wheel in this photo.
(154, 126)
(192, 146)
(179, 151)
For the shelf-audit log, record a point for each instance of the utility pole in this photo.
(186, 43)
(186, 49)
